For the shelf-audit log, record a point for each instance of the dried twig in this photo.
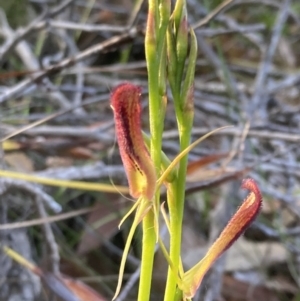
(237, 132)
(12, 184)
(213, 14)
(20, 35)
(112, 42)
(52, 245)
(258, 98)
(47, 219)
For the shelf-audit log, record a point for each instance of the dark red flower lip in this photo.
(125, 102)
(243, 217)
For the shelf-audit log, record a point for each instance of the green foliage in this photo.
(16, 12)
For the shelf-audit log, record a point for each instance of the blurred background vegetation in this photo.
(60, 60)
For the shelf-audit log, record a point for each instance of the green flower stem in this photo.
(183, 101)
(155, 102)
(176, 209)
(157, 43)
(174, 250)
(157, 22)
(149, 241)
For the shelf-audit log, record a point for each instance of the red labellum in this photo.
(125, 102)
(243, 217)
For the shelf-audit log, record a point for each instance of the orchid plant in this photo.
(171, 53)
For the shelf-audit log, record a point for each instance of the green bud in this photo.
(187, 89)
(171, 58)
(181, 48)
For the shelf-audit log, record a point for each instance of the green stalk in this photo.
(154, 47)
(148, 251)
(174, 250)
(154, 97)
(183, 101)
(176, 198)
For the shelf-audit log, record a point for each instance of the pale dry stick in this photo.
(20, 119)
(7, 184)
(128, 33)
(213, 86)
(275, 127)
(84, 27)
(17, 89)
(222, 71)
(4, 205)
(57, 130)
(238, 149)
(97, 170)
(109, 81)
(100, 27)
(258, 99)
(113, 6)
(128, 67)
(207, 32)
(252, 37)
(212, 14)
(66, 43)
(22, 48)
(282, 163)
(242, 142)
(21, 34)
(48, 219)
(287, 82)
(39, 24)
(59, 8)
(271, 3)
(55, 95)
(277, 166)
(290, 158)
(204, 185)
(79, 77)
(52, 245)
(232, 24)
(237, 132)
(270, 168)
(30, 61)
(13, 39)
(205, 104)
(291, 181)
(16, 132)
(267, 189)
(242, 29)
(79, 94)
(132, 66)
(79, 131)
(274, 233)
